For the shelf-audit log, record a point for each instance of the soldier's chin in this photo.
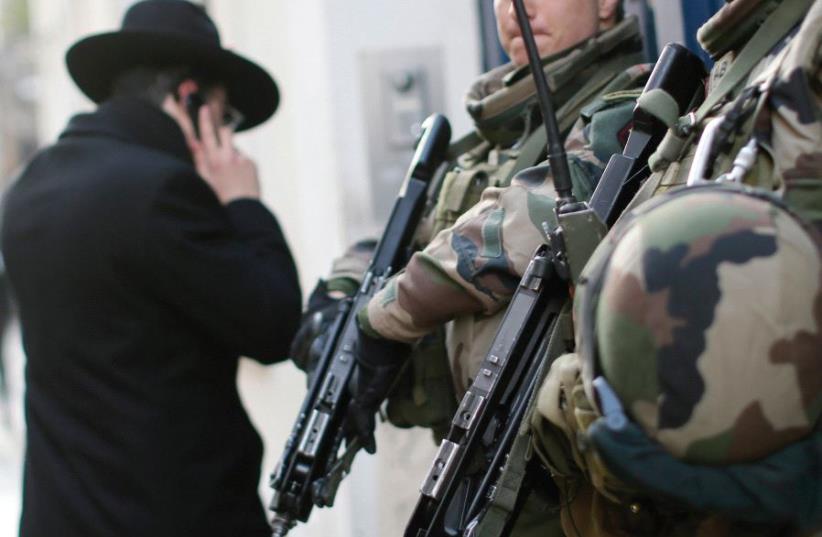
(518, 53)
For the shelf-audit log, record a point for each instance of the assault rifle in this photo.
(458, 484)
(314, 461)
(465, 482)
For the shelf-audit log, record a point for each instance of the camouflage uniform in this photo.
(470, 269)
(725, 368)
(486, 225)
(588, 80)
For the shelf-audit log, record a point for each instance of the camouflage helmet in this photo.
(703, 311)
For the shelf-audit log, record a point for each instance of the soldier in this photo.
(486, 226)
(468, 270)
(509, 137)
(591, 57)
(592, 54)
(586, 57)
(692, 403)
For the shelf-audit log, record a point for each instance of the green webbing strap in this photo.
(463, 144)
(510, 481)
(773, 30)
(534, 146)
(567, 115)
(508, 486)
(645, 192)
(337, 473)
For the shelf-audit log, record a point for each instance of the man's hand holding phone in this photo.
(230, 173)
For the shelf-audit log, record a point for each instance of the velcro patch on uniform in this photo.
(492, 234)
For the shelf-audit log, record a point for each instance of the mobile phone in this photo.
(194, 102)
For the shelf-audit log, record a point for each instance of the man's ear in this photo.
(608, 12)
(186, 88)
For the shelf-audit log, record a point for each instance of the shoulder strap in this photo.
(567, 115)
(529, 154)
(772, 31)
(463, 144)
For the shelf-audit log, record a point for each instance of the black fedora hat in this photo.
(172, 33)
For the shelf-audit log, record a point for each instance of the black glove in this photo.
(306, 348)
(379, 361)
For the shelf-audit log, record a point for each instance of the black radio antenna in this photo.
(556, 150)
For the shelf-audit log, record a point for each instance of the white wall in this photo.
(55, 25)
(313, 164)
(668, 15)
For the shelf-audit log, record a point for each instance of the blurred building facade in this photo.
(18, 133)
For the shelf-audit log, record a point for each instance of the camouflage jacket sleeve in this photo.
(475, 265)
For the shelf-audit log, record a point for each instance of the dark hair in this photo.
(155, 83)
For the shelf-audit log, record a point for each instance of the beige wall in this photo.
(55, 25)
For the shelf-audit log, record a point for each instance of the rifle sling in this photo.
(463, 144)
(769, 35)
(772, 31)
(536, 143)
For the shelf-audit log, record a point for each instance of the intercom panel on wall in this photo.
(400, 88)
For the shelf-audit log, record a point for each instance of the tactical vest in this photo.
(509, 137)
(595, 503)
(510, 134)
(740, 86)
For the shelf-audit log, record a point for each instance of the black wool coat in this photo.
(137, 292)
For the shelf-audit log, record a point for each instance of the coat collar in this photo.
(501, 100)
(133, 121)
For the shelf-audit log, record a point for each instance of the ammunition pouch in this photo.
(424, 394)
(461, 190)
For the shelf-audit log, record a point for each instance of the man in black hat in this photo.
(144, 265)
